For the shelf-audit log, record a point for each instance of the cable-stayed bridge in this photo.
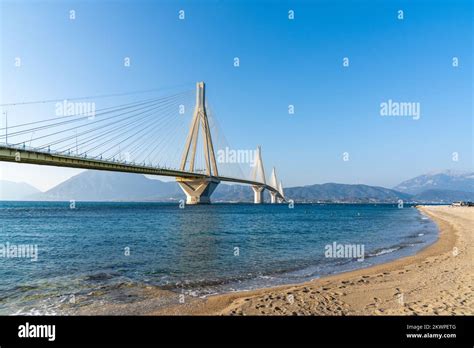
(144, 137)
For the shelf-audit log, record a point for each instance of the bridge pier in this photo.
(257, 194)
(198, 191)
(273, 197)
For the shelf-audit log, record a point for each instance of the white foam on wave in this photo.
(265, 277)
(35, 312)
(384, 251)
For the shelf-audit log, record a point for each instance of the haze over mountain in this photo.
(446, 180)
(344, 193)
(113, 186)
(94, 185)
(443, 196)
(12, 191)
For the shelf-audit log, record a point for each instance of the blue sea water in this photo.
(104, 248)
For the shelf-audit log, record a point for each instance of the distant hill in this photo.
(332, 192)
(113, 186)
(233, 193)
(14, 191)
(94, 185)
(447, 180)
(444, 196)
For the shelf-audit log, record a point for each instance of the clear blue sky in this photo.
(282, 62)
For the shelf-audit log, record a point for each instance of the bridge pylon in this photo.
(198, 190)
(258, 174)
(281, 199)
(274, 184)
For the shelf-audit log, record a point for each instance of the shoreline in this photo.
(432, 281)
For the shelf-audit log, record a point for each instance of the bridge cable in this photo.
(86, 117)
(128, 116)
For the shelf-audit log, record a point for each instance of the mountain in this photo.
(233, 193)
(14, 191)
(446, 180)
(444, 196)
(110, 186)
(113, 186)
(332, 192)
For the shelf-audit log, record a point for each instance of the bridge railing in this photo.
(24, 147)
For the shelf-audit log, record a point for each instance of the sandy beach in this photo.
(438, 280)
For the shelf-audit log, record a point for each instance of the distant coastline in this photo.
(92, 186)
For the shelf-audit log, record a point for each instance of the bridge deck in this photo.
(31, 156)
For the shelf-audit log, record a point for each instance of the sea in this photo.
(57, 257)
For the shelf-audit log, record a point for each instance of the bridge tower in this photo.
(198, 190)
(281, 199)
(274, 184)
(258, 174)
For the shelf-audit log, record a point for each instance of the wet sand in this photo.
(437, 280)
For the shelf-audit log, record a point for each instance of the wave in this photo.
(379, 252)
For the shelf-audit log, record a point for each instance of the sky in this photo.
(336, 133)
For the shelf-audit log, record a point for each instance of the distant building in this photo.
(463, 204)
